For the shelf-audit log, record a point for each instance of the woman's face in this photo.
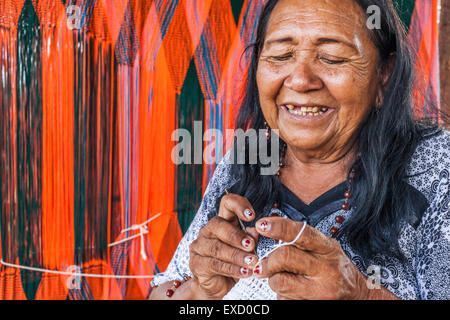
(317, 74)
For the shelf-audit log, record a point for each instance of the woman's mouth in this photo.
(312, 111)
(307, 113)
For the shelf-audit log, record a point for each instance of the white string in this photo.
(281, 243)
(75, 274)
(143, 230)
(137, 226)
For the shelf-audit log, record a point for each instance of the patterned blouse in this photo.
(425, 242)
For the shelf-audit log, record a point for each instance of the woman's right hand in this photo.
(223, 253)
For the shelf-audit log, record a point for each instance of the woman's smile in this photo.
(306, 114)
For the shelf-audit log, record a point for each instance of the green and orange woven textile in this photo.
(91, 91)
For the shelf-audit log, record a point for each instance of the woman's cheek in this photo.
(347, 88)
(269, 78)
(269, 81)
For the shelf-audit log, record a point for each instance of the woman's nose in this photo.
(303, 79)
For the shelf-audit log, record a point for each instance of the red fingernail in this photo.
(248, 213)
(264, 226)
(246, 243)
(257, 269)
(244, 271)
(249, 260)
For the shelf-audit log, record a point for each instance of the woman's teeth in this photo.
(306, 111)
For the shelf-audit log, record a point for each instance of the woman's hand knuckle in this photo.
(227, 268)
(235, 256)
(215, 265)
(214, 247)
(235, 236)
(214, 221)
(193, 246)
(214, 226)
(203, 231)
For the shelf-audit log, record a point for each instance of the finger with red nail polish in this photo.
(257, 271)
(245, 272)
(247, 243)
(263, 225)
(249, 214)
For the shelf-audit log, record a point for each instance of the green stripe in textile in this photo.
(79, 144)
(405, 10)
(29, 147)
(236, 7)
(190, 108)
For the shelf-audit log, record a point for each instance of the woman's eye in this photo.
(281, 58)
(332, 61)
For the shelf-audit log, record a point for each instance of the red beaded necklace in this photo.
(346, 205)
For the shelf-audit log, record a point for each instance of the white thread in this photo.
(137, 226)
(298, 235)
(281, 244)
(124, 240)
(142, 227)
(79, 274)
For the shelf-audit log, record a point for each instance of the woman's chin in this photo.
(305, 140)
(305, 134)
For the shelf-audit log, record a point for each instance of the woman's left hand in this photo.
(315, 267)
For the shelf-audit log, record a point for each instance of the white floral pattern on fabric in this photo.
(424, 275)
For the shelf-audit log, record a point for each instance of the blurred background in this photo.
(91, 91)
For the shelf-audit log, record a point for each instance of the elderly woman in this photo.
(362, 197)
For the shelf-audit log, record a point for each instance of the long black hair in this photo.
(381, 198)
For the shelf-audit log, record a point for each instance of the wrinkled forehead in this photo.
(341, 17)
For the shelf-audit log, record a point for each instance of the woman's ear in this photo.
(385, 70)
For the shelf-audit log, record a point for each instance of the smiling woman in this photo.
(362, 186)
